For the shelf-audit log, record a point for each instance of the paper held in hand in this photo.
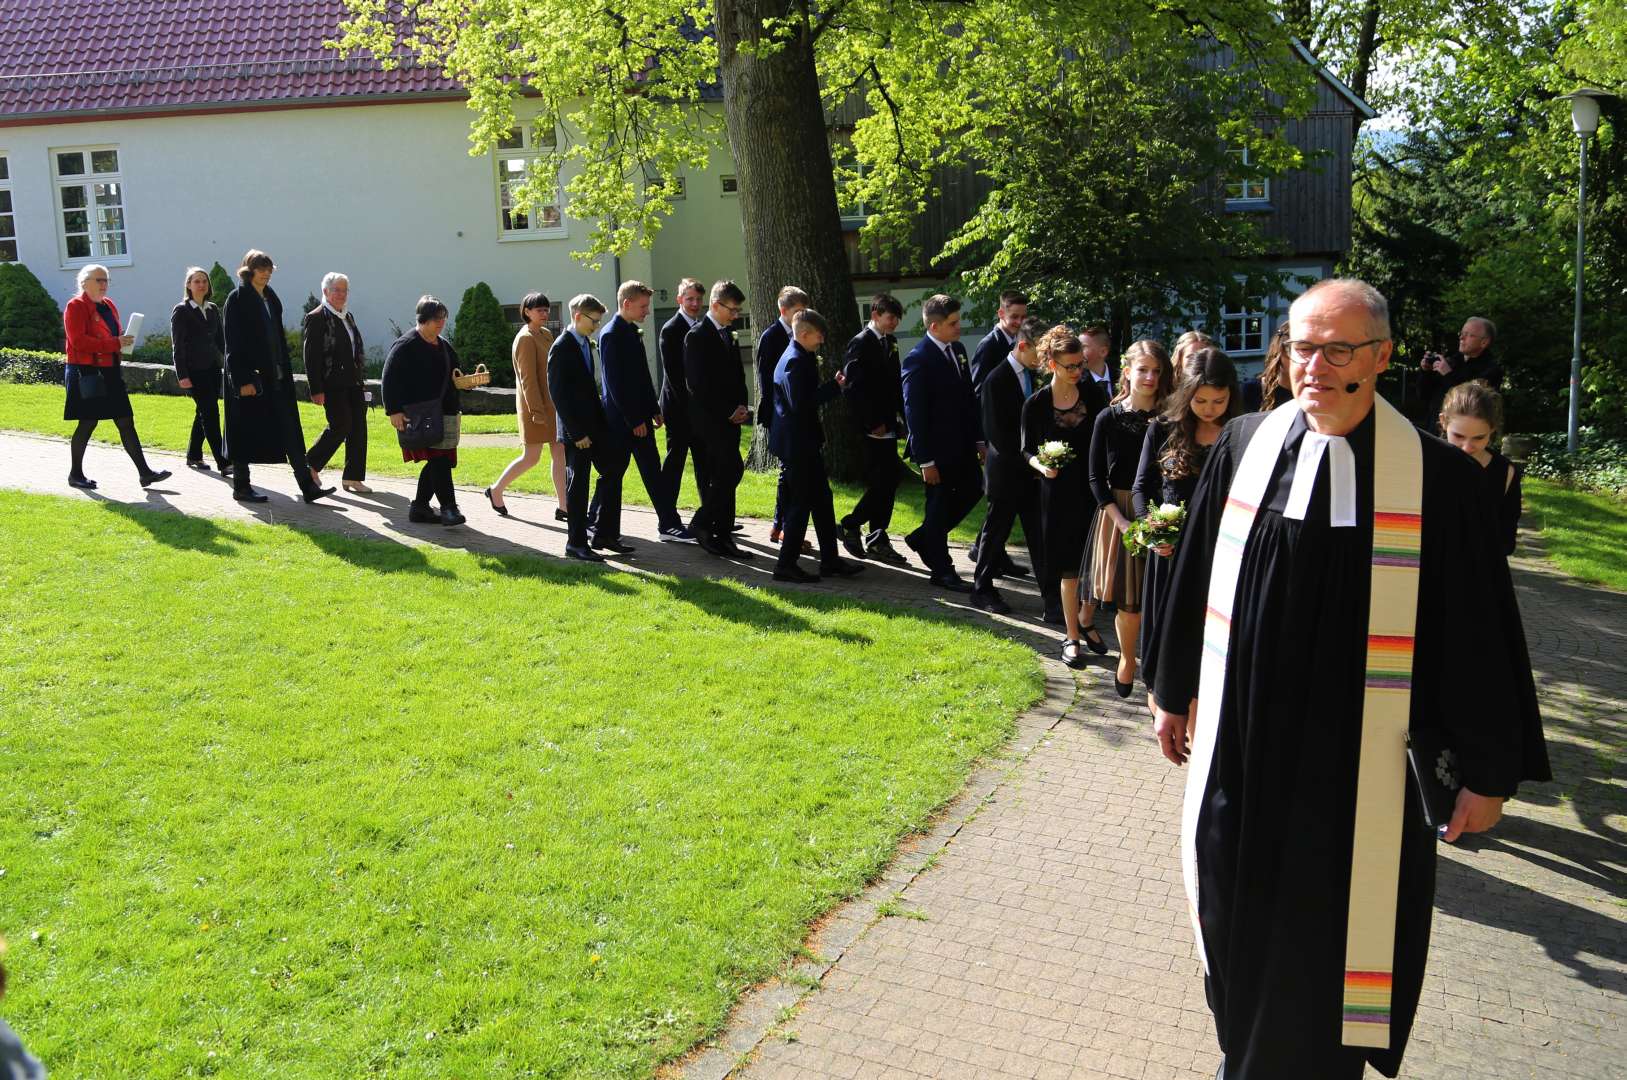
(133, 330)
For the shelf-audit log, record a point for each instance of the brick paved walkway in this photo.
(1039, 930)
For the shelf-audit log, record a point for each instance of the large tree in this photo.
(940, 83)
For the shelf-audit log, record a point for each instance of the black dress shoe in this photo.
(796, 575)
(851, 540)
(82, 482)
(914, 545)
(502, 511)
(223, 466)
(450, 516)
(1093, 638)
(560, 515)
(154, 477)
(990, 600)
(199, 465)
(841, 568)
(620, 547)
(422, 515)
(249, 495)
(586, 554)
(313, 494)
(712, 545)
(732, 550)
(1053, 618)
(951, 581)
(737, 528)
(1123, 688)
(882, 550)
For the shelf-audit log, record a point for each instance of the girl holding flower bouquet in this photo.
(1115, 449)
(1056, 427)
(1172, 456)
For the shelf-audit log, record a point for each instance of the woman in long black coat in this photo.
(198, 344)
(418, 369)
(262, 416)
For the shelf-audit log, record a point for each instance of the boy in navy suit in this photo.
(669, 352)
(633, 413)
(945, 436)
(775, 339)
(716, 382)
(798, 440)
(874, 389)
(580, 418)
(997, 344)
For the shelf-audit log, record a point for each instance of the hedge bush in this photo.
(482, 334)
(1599, 464)
(29, 365)
(220, 284)
(29, 318)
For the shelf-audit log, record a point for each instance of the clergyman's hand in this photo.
(1174, 731)
(929, 475)
(1473, 813)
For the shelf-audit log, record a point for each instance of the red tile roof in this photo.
(59, 58)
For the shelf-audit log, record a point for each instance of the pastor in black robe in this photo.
(1275, 827)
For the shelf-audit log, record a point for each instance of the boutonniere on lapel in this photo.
(639, 330)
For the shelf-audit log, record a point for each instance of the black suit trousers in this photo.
(205, 394)
(663, 498)
(346, 410)
(681, 444)
(724, 468)
(610, 458)
(882, 471)
(579, 466)
(807, 493)
(948, 502)
(991, 542)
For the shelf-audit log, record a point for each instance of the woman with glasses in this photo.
(417, 370)
(94, 379)
(1061, 412)
(198, 345)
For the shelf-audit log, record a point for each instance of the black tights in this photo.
(127, 435)
(436, 480)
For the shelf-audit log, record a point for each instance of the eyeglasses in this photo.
(1071, 367)
(732, 309)
(594, 319)
(1337, 353)
(103, 280)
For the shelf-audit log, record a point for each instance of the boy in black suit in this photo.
(874, 388)
(582, 424)
(798, 440)
(1013, 486)
(775, 339)
(996, 345)
(669, 351)
(1101, 378)
(717, 408)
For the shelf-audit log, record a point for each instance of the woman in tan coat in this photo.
(538, 427)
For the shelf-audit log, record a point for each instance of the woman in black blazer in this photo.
(198, 344)
(418, 368)
(262, 417)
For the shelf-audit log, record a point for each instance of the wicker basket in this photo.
(478, 377)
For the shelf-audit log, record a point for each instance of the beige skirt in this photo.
(1115, 576)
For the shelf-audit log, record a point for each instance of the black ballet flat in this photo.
(560, 515)
(1123, 688)
(84, 482)
(502, 511)
(1093, 639)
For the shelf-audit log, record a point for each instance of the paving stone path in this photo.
(1038, 929)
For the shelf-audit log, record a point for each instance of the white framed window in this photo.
(855, 214)
(8, 214)
(729, 184)
(652, 186)
(1244, 326)
(513, 160)
(90, 203)
(1246, 189)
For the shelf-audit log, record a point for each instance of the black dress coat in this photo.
(1006, 472)
(198, 343)
(674, 398)
(577, 404)
(257, 355)
(334, 357)
(875, 382)
(716, 382)
(990, 353)
(771, 347)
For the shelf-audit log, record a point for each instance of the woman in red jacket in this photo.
(93, 377)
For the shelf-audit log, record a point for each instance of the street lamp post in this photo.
(1585, 122)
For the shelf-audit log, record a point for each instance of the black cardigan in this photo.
(1115, 450)
(197, 340)
(415, 370)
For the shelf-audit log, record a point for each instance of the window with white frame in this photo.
(1245, 325)
(8, 215)
(1246, 189)
(854, 214)
(90, 201)
(514, 159)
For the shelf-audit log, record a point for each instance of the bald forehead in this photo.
(1335, 306)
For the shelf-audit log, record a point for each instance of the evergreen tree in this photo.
(220, 283)
(29, 318)
(482, 334)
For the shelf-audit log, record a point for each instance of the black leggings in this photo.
(127, 435)
(436, 480)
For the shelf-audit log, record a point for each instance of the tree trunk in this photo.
(1366, 46)
(776, 126)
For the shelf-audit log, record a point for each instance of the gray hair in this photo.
(1358, 292)
(86, 271)
(329, 280)
(1485, 324)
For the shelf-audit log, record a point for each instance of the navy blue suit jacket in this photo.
(575, 396)
(990, 353)
(629, 394)
(796, 433)
(770, 347)
(940, 409)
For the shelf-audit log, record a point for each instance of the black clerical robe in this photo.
(1275, 826)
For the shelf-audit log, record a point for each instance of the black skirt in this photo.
(1153, 586)
(112, 403)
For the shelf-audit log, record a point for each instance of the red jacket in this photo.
(89, 343)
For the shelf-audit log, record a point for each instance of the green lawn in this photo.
(1585, 534)
(286, 804)
(165, 422)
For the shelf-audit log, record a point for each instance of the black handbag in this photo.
(425, 425)
(1435, 778)
(91, 383)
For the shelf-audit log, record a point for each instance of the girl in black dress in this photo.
(1061, 412)
(198, 344)
(1471, 414)
(1172, 456)
(1115, 450)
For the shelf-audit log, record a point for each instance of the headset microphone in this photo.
(1352, 387)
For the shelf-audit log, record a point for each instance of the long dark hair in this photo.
(1273, 373)
(1206, 367)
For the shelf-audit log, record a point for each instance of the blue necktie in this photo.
(1028, 384)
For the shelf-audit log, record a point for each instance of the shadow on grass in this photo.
(168, 526)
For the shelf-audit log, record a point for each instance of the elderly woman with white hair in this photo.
(94, 379)
(336, 369)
